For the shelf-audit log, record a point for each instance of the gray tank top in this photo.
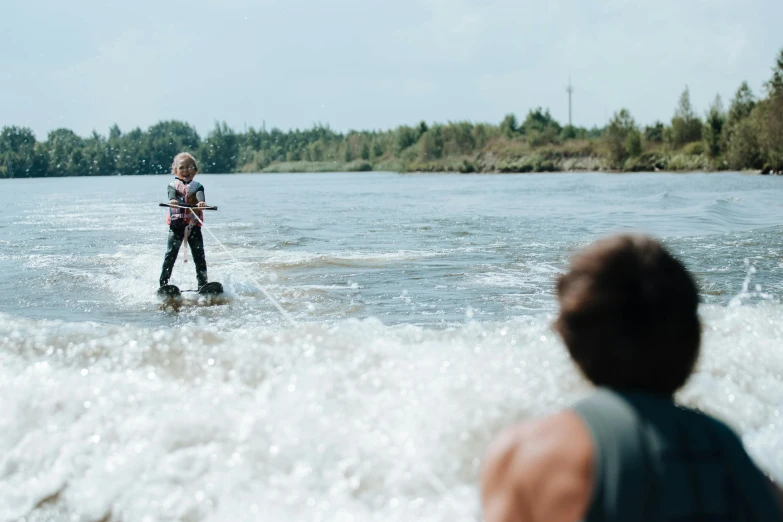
(656, 462)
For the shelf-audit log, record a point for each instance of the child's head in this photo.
(184, 166)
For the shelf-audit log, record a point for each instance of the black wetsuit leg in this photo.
(176, 235)
(196, 242)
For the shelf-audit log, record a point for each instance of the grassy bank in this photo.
(312, 166)
(512, 156)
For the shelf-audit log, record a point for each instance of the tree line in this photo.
(748, 135)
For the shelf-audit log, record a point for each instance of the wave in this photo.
(346, 421)
(280, 260)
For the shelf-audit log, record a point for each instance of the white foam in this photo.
(346, 422)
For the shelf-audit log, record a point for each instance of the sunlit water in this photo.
(422, 304)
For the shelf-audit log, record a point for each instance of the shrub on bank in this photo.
(358, 166)
(686, 162)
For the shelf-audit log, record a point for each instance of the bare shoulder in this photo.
(539, 470)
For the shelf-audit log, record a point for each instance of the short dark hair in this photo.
(629, 315)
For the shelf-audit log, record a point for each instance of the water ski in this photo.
(213, 288)
(169, 292)
(208, 295)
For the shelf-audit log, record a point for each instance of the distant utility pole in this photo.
(570, 90)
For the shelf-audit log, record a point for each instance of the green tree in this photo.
(633, 143)
(742, 105)
(66, 153)
(569, 132)
(431, 144)
(775, 84)
(348, 154)
(317, 150)
(422, 129)
(768, 117)
(654, 133)
(19, 155)
(482, 132)
(741, 108)
(253, 139)
(686, 126)
(246, 157)
(509, 126)
(132, 158)
(713, 128)
(539, 120)
(114, 144)
(743, 149)
(618, 137)
(377, 148)
(166, 139)
(404, 137)
(540, 127)
(99, 158)
(457, 138)
(219, 152)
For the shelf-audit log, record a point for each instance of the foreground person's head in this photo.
(628, 315)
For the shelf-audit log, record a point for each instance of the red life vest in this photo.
(186, 193)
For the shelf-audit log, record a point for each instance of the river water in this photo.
(416, 324)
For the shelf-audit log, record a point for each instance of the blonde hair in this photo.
(180, 156)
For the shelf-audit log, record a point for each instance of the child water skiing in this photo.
(183, 225)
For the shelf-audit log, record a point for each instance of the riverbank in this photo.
(550, 159)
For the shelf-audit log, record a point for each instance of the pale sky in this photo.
(368, 64)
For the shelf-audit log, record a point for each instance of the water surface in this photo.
(422, 304)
